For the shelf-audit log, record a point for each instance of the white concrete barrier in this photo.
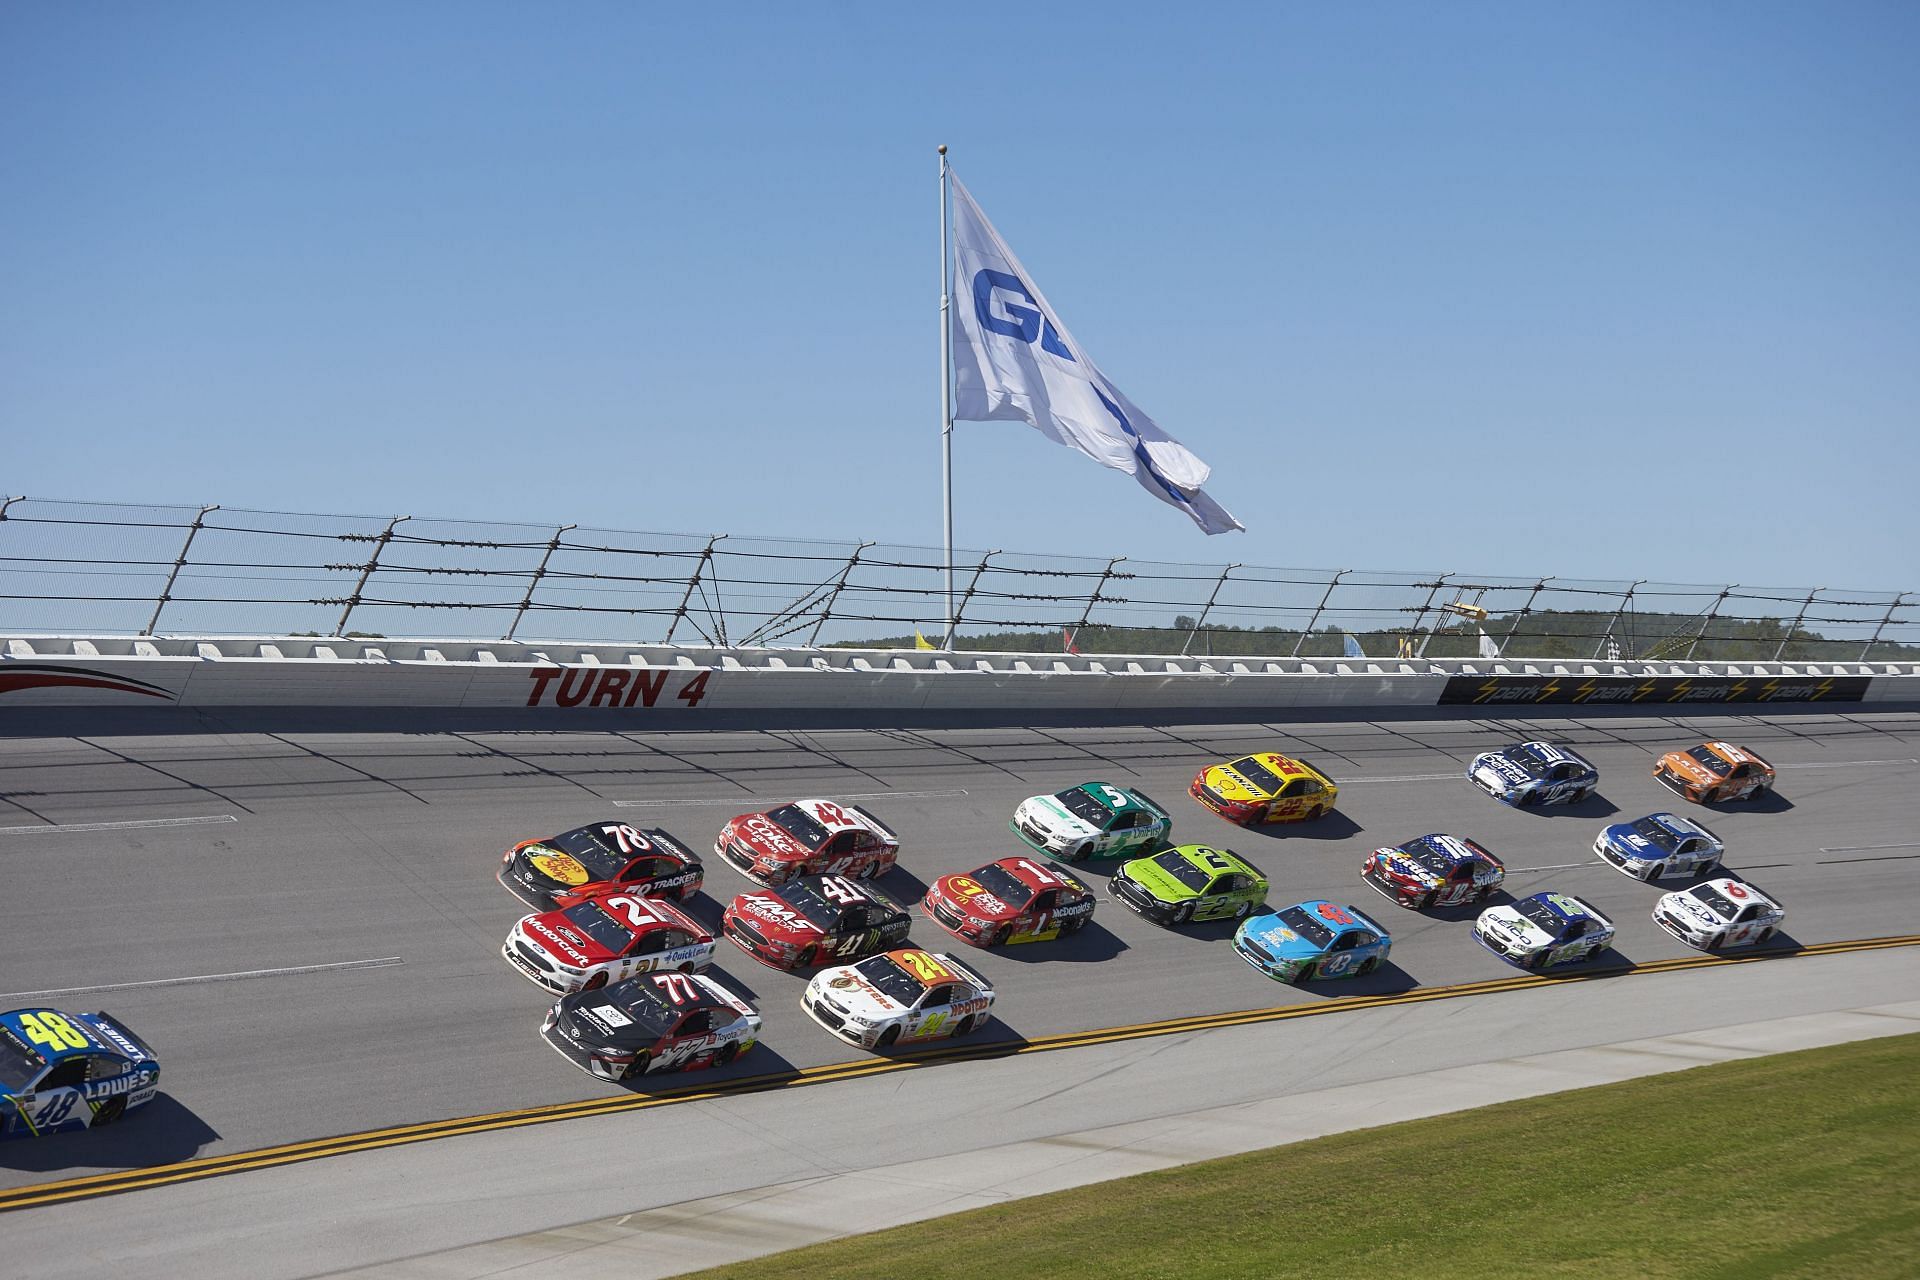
(636, 680)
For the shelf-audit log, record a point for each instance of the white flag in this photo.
(1013, 359)
(1488, 649)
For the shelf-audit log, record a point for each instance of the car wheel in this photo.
(1318, 811)
(1182, 913)
(1240, 912)
(1426, 901)
(687, 967)
(1716, 942)
(596, 982)
(1303, 974)
(966, 1025)
(888, 1038)
(638, 1067)
(112, 1109)
(1074, 926)
(1081, 854)
(726, 1053)
(1707, 870)
(1763, 937)
(1000, 936)
(1367, 966)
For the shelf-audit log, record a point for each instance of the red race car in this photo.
(817, 920)
(610, 936)
(808, 838)
(1012, 900)
(564, 869)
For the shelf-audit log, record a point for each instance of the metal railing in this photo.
(80, 568)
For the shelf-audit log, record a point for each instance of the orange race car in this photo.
(1715, 771)
(1264, 787)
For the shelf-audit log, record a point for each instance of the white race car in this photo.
(1720, 913)
(898, 995)
(1660, 844)
(1544, 931)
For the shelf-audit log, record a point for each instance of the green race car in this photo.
(1092, 820)
(1190, 882)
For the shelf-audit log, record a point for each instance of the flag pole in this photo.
(946, 401)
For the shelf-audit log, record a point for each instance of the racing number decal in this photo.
(629, 840)
(1039, 873)
(1332, 966)
(1213, 859)
(843, 891)
(634, 911)
(1338, 915)
(1116, 795)
(56, 1109)
(1735, 890)
(933, 1023)
(51, 1030)
(925, 967)
(833, 815)
(677, 987)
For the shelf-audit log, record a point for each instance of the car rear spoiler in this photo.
(1314, 765)
(878, 825)
(126, 1031)
(673, 844)
(967, 971)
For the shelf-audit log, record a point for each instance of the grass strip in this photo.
(1795, 1165)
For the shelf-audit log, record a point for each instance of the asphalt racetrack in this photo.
(311, 940)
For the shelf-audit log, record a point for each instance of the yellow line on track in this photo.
(104, 1184)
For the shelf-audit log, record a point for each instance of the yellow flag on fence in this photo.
(920, 641)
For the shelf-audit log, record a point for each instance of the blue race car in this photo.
(1543, 931)
(1533, 773)
(1312, 940)
(69, 1071)
(1660, 844)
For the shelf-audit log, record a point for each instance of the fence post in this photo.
(1201, 621)
(1092, 600)
(1618, 609)
(166, 592)
(1895, 607)
(1713, 612)
(1797, 620)
(1405, 648)
(8, 503)
(706, 554)
(961, 608)
(366, 571)
(1526, 611)
(826, 610)
(1317, 611)
(526, 602)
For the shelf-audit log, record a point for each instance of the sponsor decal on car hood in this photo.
(1150, 876)
(559, 939)
(560, 868)
(1055, 817)
(1508, 923)
(1276, 939)
(857, 995)
(763, 835)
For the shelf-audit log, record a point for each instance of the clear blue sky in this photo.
(1620, 290)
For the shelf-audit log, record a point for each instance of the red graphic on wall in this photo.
(16, 676)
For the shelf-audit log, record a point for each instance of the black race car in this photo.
(814, 920)
(563, 870)
(653, 1022)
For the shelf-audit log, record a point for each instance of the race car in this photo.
(1312, 940)
(900, 995)
(1092, 820)
(655, 1022)
(69, 1071)
(564, 869)
(808, 838)
(813, 921)
(1434, 871)
(1189, 882)
(1264, 787)
(610, 936)
(1660, 844)
(1534, 773)
(1714, 771)
(1012, 900)
(1720, 913)
(1544, 931)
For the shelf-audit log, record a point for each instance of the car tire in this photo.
(1240, 912)
(596, 982)
(1426, 900)
(888, 1038)
(1181, 913)
(687, 967)
(1073, 926)
(638, 1067)
(1367, 966)
(110, 1110)
(1081, 854)
(726, 1053)
(966, 1025)
(1317, 812)
(1717, 941)
(1000, 936)
(1707, 871)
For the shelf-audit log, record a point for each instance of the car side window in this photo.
(937, 996)
(1308, 787)
(71, 1072)
(863, 840)
(697, 1023)
(648, 943)
(102, 1067)
(1045, 900)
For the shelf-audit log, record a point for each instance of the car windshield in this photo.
(813, 904)
(1306, 926)
(1175, 864)
(1549, 920)
(640, 1000)
(1716, 901)
(587, 848)
(590, 919)
(893, 981)
(1258, 774)
(798, 825)
(19, 1063)
(1083, 806)
(1004, 885)
(1656, 834)
(1710, 762)
(1430, 854)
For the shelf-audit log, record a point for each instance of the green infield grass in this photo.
(1796, 1165)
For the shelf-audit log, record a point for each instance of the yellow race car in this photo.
(1265, 787)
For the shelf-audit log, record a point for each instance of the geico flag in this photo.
(1013, 359)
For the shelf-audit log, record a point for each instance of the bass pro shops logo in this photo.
(609, 687)
(16, 677)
